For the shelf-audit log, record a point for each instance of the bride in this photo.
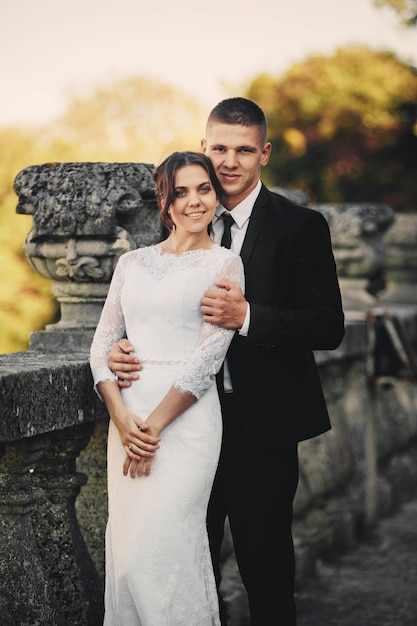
(165, 430)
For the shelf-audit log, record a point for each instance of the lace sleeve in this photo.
(199, 372)
(110, 329)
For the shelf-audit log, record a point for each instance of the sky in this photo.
(52, 50)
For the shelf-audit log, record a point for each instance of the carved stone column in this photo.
(85, 215)
(72, 575)
(401, 264)
(357, 236)
(20, 563)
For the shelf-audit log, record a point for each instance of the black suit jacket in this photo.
(295, 308)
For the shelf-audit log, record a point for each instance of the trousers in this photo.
(255, 488)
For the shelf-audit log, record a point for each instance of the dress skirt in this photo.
(158, 566)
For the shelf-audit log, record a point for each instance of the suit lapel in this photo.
(255, 223)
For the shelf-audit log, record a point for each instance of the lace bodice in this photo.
(154, 299)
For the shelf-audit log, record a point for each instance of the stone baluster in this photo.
(48, 416)
(27, 599)
(357, 236)
(401, 263)
(73, 578)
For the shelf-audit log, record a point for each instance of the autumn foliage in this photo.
(344, 127)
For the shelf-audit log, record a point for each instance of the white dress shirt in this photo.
(241, 214)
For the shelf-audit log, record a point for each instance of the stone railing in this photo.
(53, 501)
(48, 417)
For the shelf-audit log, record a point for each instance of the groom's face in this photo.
(237, 153)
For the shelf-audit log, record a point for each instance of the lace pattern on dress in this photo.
(198, 371)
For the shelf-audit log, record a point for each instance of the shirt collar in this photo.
(242, 211)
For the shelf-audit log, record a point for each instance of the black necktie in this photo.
(228, 222)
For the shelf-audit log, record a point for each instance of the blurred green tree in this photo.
(344, 127)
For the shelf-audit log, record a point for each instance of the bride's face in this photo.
(195, 199)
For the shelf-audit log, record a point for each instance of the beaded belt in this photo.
(163, 361)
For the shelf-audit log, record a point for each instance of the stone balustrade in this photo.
(357, 237)
(53, 501)
(48, 416)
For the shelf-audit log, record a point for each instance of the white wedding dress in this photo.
(158, 566)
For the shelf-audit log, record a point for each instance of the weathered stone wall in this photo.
(53, 477)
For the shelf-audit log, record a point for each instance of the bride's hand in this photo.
(139, 454)
(136, 436)
(137, 467)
